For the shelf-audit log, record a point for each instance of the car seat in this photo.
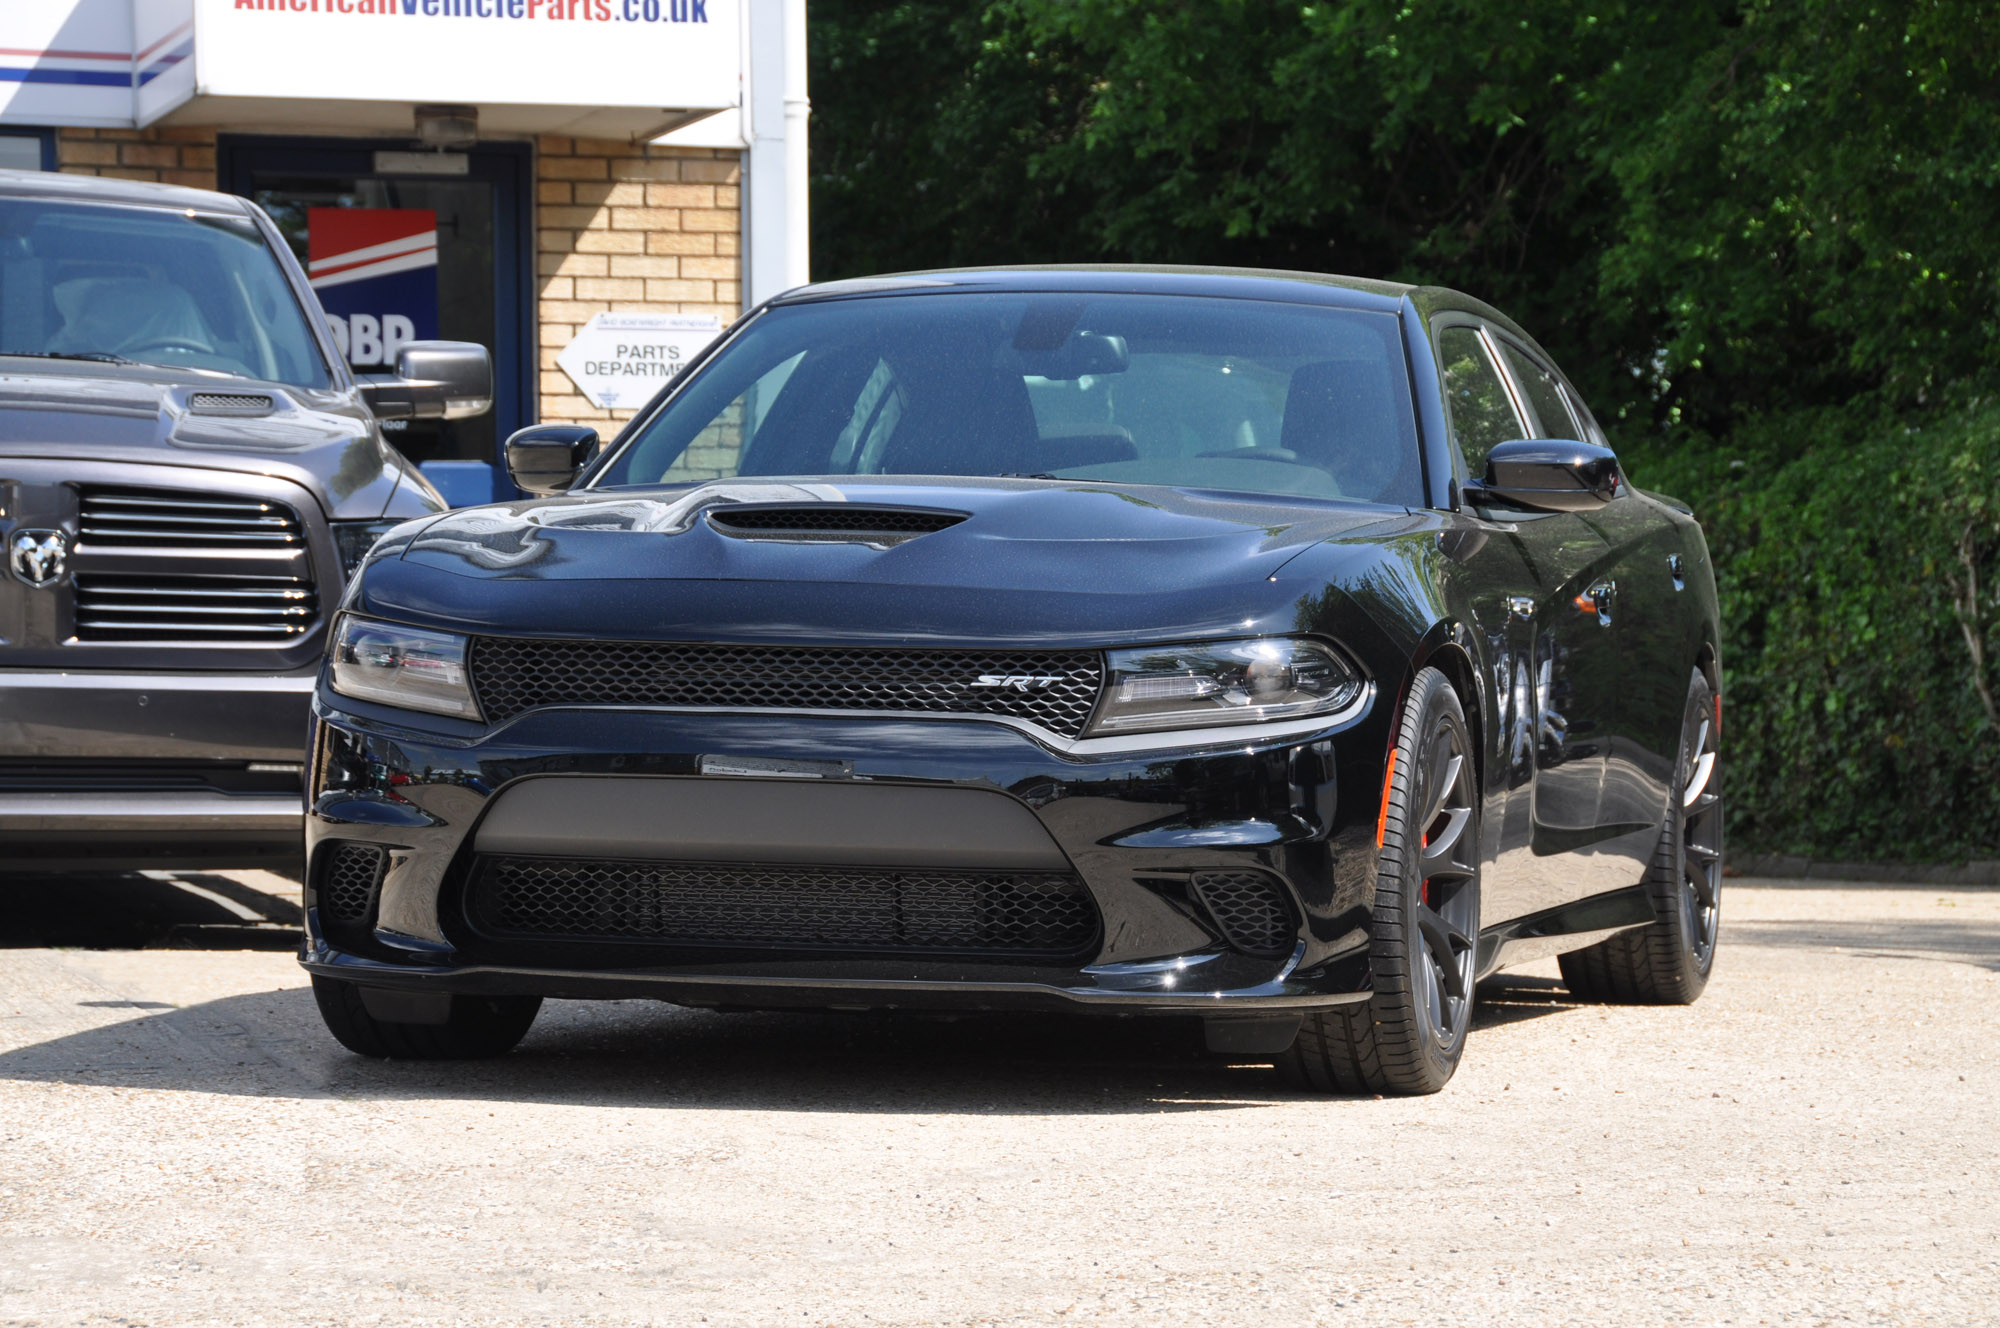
(1342, 416)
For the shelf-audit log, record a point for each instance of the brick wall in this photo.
(627, 229)
(164, 155)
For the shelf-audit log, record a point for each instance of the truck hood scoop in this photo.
(837, 523)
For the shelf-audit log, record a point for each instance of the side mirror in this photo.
(546, 458)
(1548, 475)
(434, 380)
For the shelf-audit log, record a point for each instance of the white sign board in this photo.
(637, 53)
(620, 360)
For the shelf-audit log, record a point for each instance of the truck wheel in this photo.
(474, 1028)
(1408, 1037)
(1668, 963)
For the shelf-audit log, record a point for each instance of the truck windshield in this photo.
(175, 288)
(1197, 392)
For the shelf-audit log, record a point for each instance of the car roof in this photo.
(1109, 278)
(57, 187)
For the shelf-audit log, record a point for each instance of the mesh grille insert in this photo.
(831, 521)
(1020, 914)
(347, 882)
(1054, 689)
(1251, 909)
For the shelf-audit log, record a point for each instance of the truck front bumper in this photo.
(116, 770)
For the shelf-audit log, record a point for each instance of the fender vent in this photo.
(230, 403)
(832, 522)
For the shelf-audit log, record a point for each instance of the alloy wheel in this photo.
(1447, 888)
(1700, 815)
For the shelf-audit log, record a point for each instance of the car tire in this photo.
(477, 1026)
(1669, 961)
(1408, 1037)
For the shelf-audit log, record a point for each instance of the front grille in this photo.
(348, 881)
(194, 608)
(864, 909)
(136, 518)
(1251, 910)
(1056, 690)
(831, 521)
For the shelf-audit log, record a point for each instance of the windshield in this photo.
(1226, 394)
(191, 291)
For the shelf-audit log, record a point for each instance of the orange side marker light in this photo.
(1382, 820)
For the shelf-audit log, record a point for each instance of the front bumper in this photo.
(1134, 828)
(107, 769)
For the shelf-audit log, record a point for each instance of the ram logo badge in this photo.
(39, 557)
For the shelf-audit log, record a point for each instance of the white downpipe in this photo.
(798, 189)
(778, 233)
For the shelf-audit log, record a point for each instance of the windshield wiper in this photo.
(97, 356)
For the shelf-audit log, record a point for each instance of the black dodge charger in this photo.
(1283, 650)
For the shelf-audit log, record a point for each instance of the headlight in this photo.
(1223, 682)
(355, 538)
(402, 666)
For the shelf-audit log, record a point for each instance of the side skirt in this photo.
(1565, 927)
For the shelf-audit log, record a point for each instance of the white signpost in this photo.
(620, 360)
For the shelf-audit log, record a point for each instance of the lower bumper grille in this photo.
(348, 881)
(1251, 910)
(1016, 914)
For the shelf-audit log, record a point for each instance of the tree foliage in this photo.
(1759, 233)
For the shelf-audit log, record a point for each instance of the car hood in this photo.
(1031, 561)
(148, 415)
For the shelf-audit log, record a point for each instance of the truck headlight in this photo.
(410, 667)
(1223, 682)
(355, 538)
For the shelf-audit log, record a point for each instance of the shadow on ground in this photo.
(1934, 939)
(186, 910)
(643, 1054)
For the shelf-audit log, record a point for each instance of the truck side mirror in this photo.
(434, 380)
(546, 458)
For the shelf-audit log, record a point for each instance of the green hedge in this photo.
(1858, 722)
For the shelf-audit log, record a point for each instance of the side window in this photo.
(1544, 394)
(1482, 413)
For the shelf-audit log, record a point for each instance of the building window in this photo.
(27, 149)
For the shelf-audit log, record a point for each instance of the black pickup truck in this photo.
(187, 471)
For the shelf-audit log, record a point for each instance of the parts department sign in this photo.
(620, 360)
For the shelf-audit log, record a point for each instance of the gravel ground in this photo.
(1815, 1142)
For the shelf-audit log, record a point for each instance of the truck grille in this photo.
(194, 608)
(128, 518)
(868, 909)
(1056, 690)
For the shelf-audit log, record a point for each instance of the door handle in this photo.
(1599, 599)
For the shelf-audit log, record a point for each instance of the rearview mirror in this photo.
(1083, 354)
(1547, 475)
(546, 459)
(434, 380)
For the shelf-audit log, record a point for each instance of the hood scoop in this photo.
(240, 405)
(830, 523)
